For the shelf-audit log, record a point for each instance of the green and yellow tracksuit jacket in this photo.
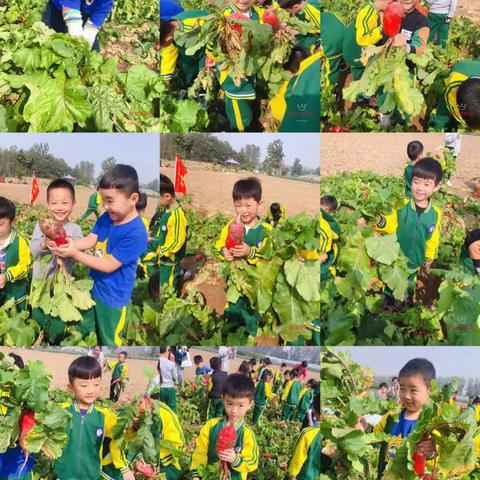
(173, 236)
(328, 245)
(305, 463)
(331, 47)
(170, 430)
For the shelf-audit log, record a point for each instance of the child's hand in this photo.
(228, 455)
(3, 280)
(129, 475)
(67, 250)
(362, 223)
(227, 254)
(399, 40)
(242, 250)
(427, 447)
(323, 257)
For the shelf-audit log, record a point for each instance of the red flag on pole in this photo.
(35, 190)
(180, 171)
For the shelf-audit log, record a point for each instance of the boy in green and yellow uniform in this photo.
(328, 206)
(328, 249)
(459, 106)
(81, 459)
(331, 41)
(263, 393)
(247, 197)
(417, 223)
(15, 258)
(279, 377)
(305, 463)
(94, 202)
(241, 460)
(170, 430)
(470, 255)
(276, 214)
(414, 152)
(305, 399)
(173, 233)
(119, 375)
(365, 29)
(290, 396)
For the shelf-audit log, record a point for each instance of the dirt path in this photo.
(212, 190)
(20, 192)
(385, 153)
(469, 9)
(57, 364)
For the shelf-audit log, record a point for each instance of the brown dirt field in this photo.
(212, 190)
(385, 153)
(469, 9)
(57, 364)
(20, 192)
(189, 373)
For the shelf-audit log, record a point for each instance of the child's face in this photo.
(60, 204)
(413, 393)
(247, 209)
(86, 391)
(473, 250)
(118, 204)
(236, 408)
(423, 188)
(200, 364)
(121, 358)
(165, 200)
(296, 8)
(243, 5)
(283, 369)
(5, 227)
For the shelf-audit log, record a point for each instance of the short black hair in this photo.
(17, 360)
(197, 359)
(166, 29)
(429, 169)
(123, 352)
(7, 209)
(472, 237)
(383, 384)
(316, 403)
(304, 364)
(163, 349)
(266, 373)
(414, 149)
(294, 372)
(252, 361)
(142, 201)
(297, 56)
(84, 368)
(283, 364)
(238, 386)
(468, 101)
(288, 3)
(329, 201)
(247, 188)
(121, 177)
(166, 186)
(419, 366)
(267, 361)
(394, 378)
(61, 183)
(215, 363)
(244, 368)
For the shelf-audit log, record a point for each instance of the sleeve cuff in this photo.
(237, 462)
(382, 222)
(125, 469)
(9, 276)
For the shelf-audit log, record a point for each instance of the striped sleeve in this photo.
(247, 459)
(176, 234)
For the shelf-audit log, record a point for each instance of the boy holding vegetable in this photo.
(118, 238)
(171, 431)
(15, 258)
(80, 18)
(414, 152)
(247, 198)
(60, 204)
(241, 455)
(81, 458)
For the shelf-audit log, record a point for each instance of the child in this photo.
(417, 223)
(305, 463)
(173, 233)
(470, 256)
(247, 198)
(328, 249)
(14, 258)
(264, 365)
(263, 392)
(459, 105)
(84, 375)
(415, 380)
(217, 382)
(60, 204)
(119, 375)
(305, 399)
(200, 369)
(414, 152)
(328, 206)
(168, 50)
(440, 16)
(168, 378)
(79, 18)
(154, 387)
(94, 201)
(276, 214)
(279, 378)
(171, 431)
(141, 206)
(237, 398)
(290, 395)
(119, 238)
(333, 32)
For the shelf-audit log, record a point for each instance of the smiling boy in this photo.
(241, 460)
(118, 238)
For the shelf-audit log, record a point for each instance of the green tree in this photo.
(84, 172)
(297, 168)
(273, 163)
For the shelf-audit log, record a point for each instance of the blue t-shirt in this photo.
(403, 427)
(96, 10)
(12, 461)
(126, 243)
(203, 371)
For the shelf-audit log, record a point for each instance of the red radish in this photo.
(209, 62)
(237, 26)
(198, 257)
(26, 423)
(235, 234)
(145, 469)
(226, 441)
(423, 10)
(392, 19)
(54, 230)
(478, 191)
(339, 129)
(271, 18)
(419, 464)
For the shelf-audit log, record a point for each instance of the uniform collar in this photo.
(77, 407)
(427, 209)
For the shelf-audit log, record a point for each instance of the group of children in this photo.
(91, 451)
(241, 98)
(417, 224)
(230, 397)
(342, 47)
(117, 241)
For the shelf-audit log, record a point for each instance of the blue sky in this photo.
(139, 150)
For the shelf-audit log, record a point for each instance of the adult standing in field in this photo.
(94, 202)
(394, 390)
(365, 29)
(98, 355)
(331, 46)
(381, 393)
(223, 353)
(440, 16)
(79, 18)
